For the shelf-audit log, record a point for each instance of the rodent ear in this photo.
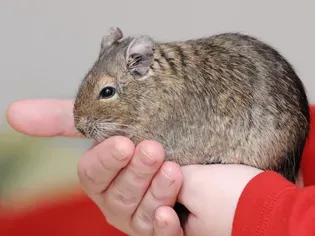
(140, 56)
(114, 34)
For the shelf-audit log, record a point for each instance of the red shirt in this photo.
(270, 205)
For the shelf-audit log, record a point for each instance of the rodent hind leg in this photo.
(213, 162)
(219, 160)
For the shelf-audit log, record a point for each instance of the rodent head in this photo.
(108, 98)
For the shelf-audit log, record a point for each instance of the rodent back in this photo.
(232, 89)
(234, 73)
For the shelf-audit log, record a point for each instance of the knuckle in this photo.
(85, 169)
(93, 184)
(159, 195)
(143, 222)
(90, 180)
(103, 163)
(161, 192)
(84, 173)
(124, 197)
(144, 217)
(140, 174)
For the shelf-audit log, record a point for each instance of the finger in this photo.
(166, 222)
(43, 118)
(163, 192)
(128, 188)
(100, 165)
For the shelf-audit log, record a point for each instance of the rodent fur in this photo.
(227, 98)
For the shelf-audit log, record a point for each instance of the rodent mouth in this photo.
(81, 131)
(95, 143)
(99, 131)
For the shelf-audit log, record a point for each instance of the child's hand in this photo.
(211, 194)
(132, 186)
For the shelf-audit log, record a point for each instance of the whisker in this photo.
(112, 125)
(109, 123)
(98, 137)
(100, 131)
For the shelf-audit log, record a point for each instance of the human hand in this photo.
(211, 194)
(131, 185)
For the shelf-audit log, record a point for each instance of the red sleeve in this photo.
(271, 205)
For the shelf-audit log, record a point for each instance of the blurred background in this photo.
(46, 47)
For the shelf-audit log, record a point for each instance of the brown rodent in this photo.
(228, 98)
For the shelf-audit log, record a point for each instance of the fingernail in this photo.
(160, 222)
(167, 177)
(148, 160)
(121, 155)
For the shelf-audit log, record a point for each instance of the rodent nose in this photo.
(81, 125)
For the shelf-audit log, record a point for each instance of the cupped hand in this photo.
(129, 184)
(132, 186)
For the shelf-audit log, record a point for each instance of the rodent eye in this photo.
(107, 92)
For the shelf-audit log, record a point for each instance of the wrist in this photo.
(216, 201)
